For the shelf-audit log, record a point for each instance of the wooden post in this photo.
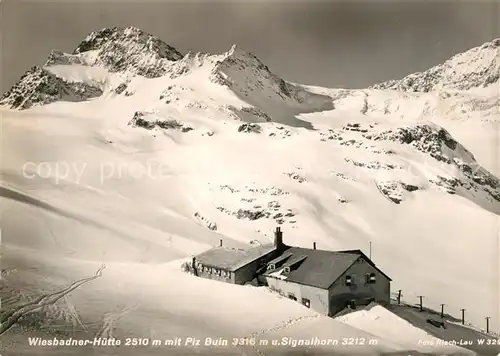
(463, 316)
(370, 250)
(421, 305)
(442, 310)
(488, 324)
(399, 296)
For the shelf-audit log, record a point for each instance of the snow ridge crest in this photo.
(477, 67)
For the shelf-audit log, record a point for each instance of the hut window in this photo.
(271, 267)
(217, 272)
(209, 270)
(372, 279)
(349, 280)
(286, 270)
(292, 296)
(306, 302)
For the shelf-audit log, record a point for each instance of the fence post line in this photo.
(421, 305)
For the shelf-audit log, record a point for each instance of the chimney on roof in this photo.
(220, 243)
(314, 245)
(278, 238)
(193, 266)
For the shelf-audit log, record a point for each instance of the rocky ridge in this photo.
(117, 49)
(477, 67)
(124, 49)
(40, 87)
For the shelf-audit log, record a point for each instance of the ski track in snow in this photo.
(73, 312)
(109, 321)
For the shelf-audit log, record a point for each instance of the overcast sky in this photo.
(328, 43)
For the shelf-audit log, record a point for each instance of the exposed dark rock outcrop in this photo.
(39, 87)
(120, 88)
(149, 122)
(207, 222)
(296, 177)
(392, 190)
(424, 137)
(247, 128)
(440, 145)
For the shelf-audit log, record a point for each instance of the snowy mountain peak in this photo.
(237, 52)
(248, 77)
(127, 36)
(234, 48)
(477, 67)
(127, 49)
(261, 95)
(118, 50)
